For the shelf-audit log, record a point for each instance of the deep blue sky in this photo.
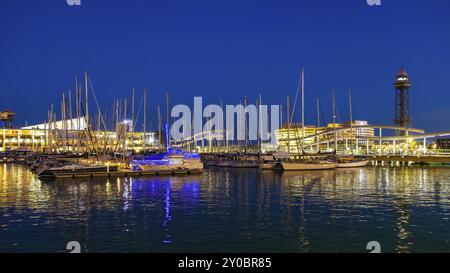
(228, 49)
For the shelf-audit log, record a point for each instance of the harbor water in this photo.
(405, 209)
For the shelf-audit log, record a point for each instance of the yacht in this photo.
(168, 162)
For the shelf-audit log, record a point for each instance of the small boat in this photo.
(224, 163)
(210, 160)
(224, 160)
(351, 162)
(269, 163)
(304, 165)
(245, 161)
(244, 164)
(272, 161)
(70, 171)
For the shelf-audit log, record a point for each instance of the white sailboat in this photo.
(351, 161)
(305, 164)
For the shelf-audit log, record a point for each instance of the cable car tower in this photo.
(402, 114)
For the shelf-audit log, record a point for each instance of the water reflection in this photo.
(405, 209)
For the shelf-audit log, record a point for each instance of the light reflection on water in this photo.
(405, 209)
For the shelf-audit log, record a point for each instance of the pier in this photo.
(127, 173)
(399, 159)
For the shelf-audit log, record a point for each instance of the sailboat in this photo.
(350, 161)
(305, 164)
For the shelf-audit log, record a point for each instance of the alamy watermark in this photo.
(73, 2)
(373, 2)
(74, 247)
(237, 122)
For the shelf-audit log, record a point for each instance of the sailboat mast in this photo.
(318, 126)
(167, 122)
(159, 127)
(145, 120)
(132, 120)
(260, 141)
(334, 123)
(51, 128)
(126, 129)
(289, 123)
(71, 119)
(64, 116)
(77, 110)
(351, 115)
(245, 125)
(86, 97)
(303, 109)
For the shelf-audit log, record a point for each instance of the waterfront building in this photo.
(290, 139)
(359, 132)
(40, 138)
(442, 143)
(349, 136)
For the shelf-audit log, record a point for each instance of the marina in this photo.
(224, 136)
(406, 208)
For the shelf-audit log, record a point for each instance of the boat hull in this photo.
(269, 166)
(244, 164)
(355, 164)
(224, 163)
(301, 166)
(210, 163)
(53, 173)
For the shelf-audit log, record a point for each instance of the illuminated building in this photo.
(346, 136)
(290, 138)
(40, 138)
(442, 143)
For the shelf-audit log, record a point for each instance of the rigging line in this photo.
(89, 131)
(295, 101)
(323, 117)
(337, 112)
(100, 113)
(139, 111)
(96, 103)
(293, 112)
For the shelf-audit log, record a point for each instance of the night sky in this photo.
(223, 50)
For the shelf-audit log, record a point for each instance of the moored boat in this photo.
(351, 162)
(168, 162)
(245, 161)
(303, 165)
(69, 171)
(210, 160)
(272, 161)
